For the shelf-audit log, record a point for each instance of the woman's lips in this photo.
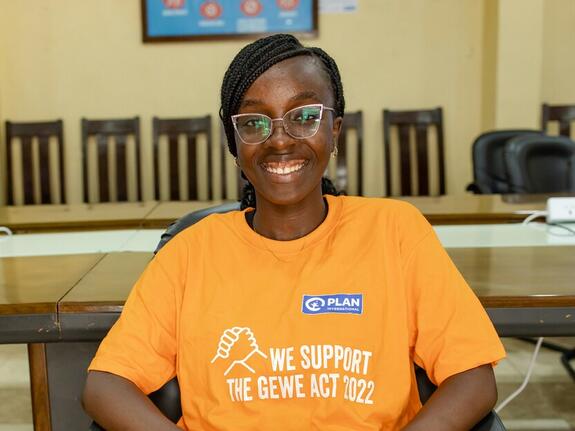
(284, 167)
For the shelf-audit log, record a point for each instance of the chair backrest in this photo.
(28, 134)
(563, 114)
(188, 130)
(540, 164)
(420, 121)
(352, 122)
(117, 131)
(489, 170)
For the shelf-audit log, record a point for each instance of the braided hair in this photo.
(252, 61)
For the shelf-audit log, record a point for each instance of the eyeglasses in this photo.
(300, 123)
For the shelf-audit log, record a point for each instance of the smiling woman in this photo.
(305, 308)
(286, 168)
(284, 165)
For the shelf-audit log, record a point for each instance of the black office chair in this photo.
(167, 398)
(489, 170)
(540, 164)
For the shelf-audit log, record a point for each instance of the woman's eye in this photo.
(305, 116)
(254, 122)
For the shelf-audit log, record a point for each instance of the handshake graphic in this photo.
(239, 343)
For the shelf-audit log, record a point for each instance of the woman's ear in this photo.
(336, 129)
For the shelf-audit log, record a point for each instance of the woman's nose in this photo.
(279, 135)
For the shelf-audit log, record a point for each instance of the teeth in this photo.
(283, 168)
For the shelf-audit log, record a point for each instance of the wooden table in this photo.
(166, 212)
(30, 289)
(36, 218)
(477, 209)
(464, 209)
(527, 291)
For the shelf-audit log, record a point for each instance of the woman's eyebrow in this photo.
(251, 102)
(305, 95)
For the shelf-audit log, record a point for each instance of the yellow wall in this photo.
(68, 59)
(558, 71)
(519, 56)
(489, 64)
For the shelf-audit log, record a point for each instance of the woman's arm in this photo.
(116, 403)
(459, 403)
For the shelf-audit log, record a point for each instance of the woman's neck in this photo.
(288, 222)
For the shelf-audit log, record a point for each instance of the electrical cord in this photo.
(525, 380)
(6, 230)
(562, 226)
(534, 215)
(538, 214)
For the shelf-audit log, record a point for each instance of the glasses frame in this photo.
(282, 119)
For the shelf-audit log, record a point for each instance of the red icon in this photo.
(210, 9)
(174, 4)
(287, 4)
(251, 7)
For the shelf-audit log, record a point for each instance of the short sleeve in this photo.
(450, 331)
(142, 344)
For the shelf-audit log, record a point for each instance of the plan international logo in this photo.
(337, 303)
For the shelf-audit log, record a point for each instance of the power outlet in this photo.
(560, 210)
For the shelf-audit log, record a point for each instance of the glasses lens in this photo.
(303, 122)
(253, 128)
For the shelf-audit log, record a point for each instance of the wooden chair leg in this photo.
(39, 387)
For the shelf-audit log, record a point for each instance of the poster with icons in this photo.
(178, 20)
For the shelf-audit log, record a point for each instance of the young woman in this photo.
(305, 310)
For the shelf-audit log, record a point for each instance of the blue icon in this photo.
(341, 303)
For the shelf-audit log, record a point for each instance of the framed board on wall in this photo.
(192, 20)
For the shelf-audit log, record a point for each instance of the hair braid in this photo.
(252, 61)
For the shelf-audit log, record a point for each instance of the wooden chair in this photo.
(564, 114)
(352, 121)
(420, 121)
(117, 131)
(28, 133)
(190, 129)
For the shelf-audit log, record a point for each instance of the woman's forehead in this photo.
(295, 76)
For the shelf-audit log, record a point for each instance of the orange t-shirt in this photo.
(316, 333)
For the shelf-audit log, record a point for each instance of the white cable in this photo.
(525, 381)
(547, 226)
(6, 230)
(533, 216)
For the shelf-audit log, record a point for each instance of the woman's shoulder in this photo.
(191, 227)
(392, 217)
(383, 206)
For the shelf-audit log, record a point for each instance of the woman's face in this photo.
(286, 170)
